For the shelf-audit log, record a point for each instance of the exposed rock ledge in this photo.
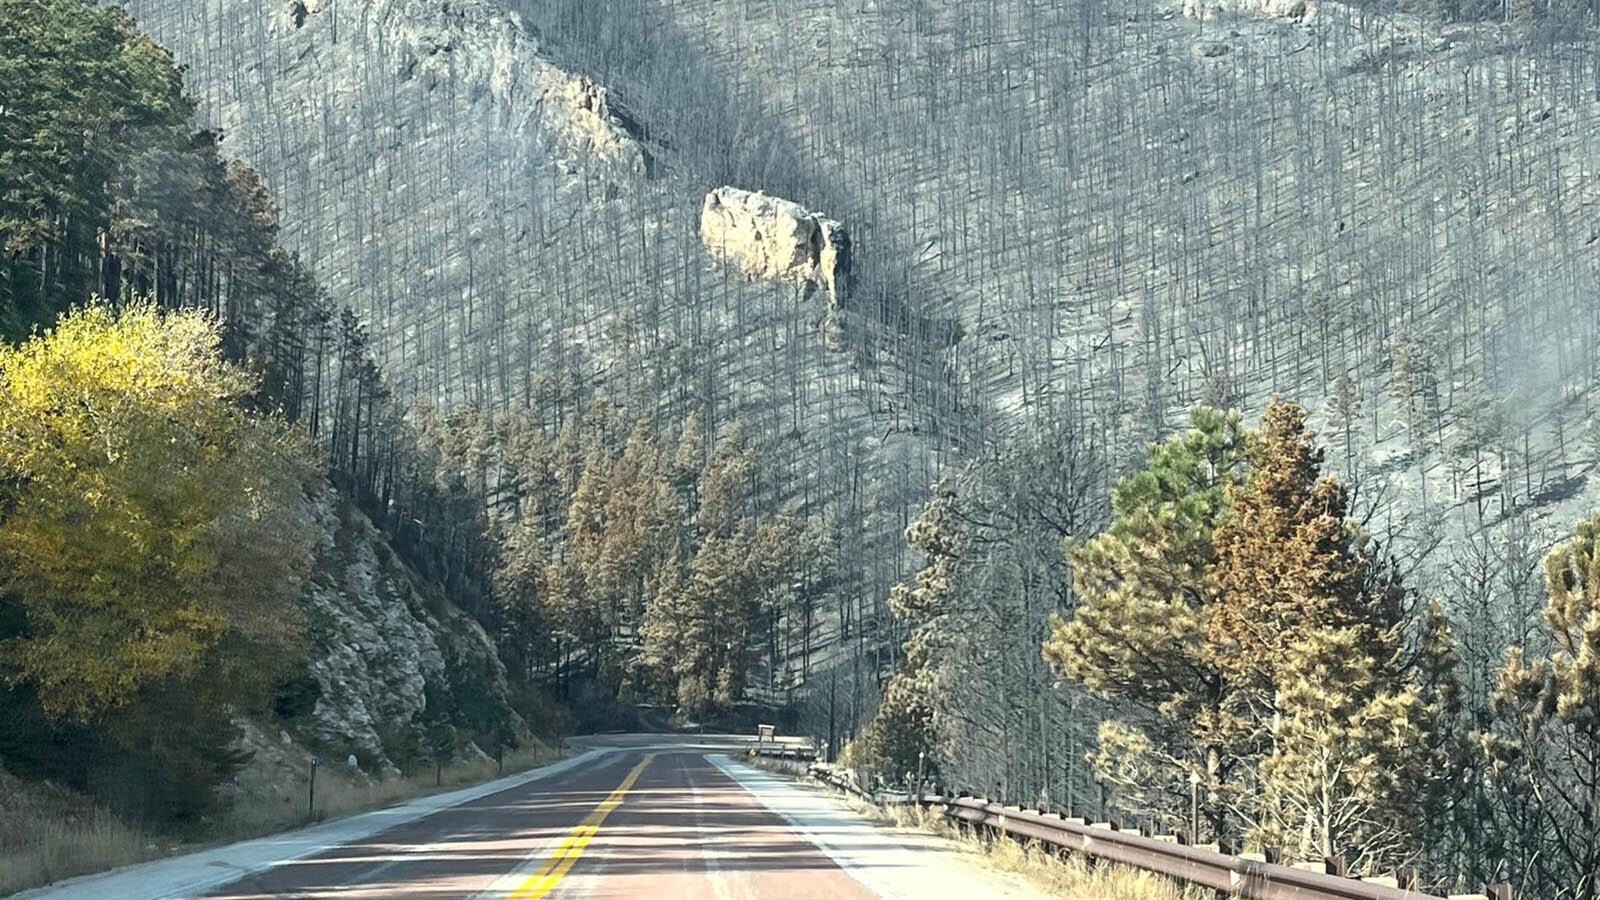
(384, 643)
(589, 123)
(480, 46)
(1296, 10)
(772, 239)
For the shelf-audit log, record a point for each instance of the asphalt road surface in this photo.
(651, 817)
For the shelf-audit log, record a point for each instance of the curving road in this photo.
(639, 816)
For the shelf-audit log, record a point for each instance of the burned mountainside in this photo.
(1059, 210)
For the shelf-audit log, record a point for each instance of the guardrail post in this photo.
(1256, 875)
(311, 792)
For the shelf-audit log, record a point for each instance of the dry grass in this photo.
(1076, 878)
(345, 798)
(1070, 877)
(284, 805)
(790, 767)
(48, 833)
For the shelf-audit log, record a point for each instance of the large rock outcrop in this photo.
(590, 125)
(773, 239)
(386, 644)
(1296, 10)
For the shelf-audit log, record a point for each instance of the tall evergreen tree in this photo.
(1289, 560)
(1548, 711)
(908, 724)
(1309, 634)
(1234, 601)
(1146, 598)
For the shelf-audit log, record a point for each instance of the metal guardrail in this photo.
(842, 780)
(1196, 865)
(799, 753)
(1234, 875)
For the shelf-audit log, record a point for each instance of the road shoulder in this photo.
(196, 873)
(892, 862)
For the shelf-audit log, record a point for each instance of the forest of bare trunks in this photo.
(1072, 221)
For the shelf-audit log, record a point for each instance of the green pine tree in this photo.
(1146, 597)
(1548, 709)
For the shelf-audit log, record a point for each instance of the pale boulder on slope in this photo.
(772, 239)
(1298, 10)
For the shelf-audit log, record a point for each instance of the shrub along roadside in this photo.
(48, 833)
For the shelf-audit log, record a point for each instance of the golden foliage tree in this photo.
(1309, 634)
(1288, 559)
(148, 518)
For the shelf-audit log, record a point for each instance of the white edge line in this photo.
(741, 776)
(182, 877)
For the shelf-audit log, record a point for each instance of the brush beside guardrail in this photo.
(1256, 876)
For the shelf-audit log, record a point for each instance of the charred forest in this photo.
(1173, 410)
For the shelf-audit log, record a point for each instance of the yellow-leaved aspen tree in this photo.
(149, 518)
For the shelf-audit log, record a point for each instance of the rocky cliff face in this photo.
(593, 129)
(425, 156)
(390, 654)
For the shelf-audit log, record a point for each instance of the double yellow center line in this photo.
(566, 856)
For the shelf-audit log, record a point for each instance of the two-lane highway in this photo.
(689, 830)
(642, 816)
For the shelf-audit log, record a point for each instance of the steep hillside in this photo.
(1064, 211)
(1138, 210)
(517, 237)
(1132, 207)
(1126, 209)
